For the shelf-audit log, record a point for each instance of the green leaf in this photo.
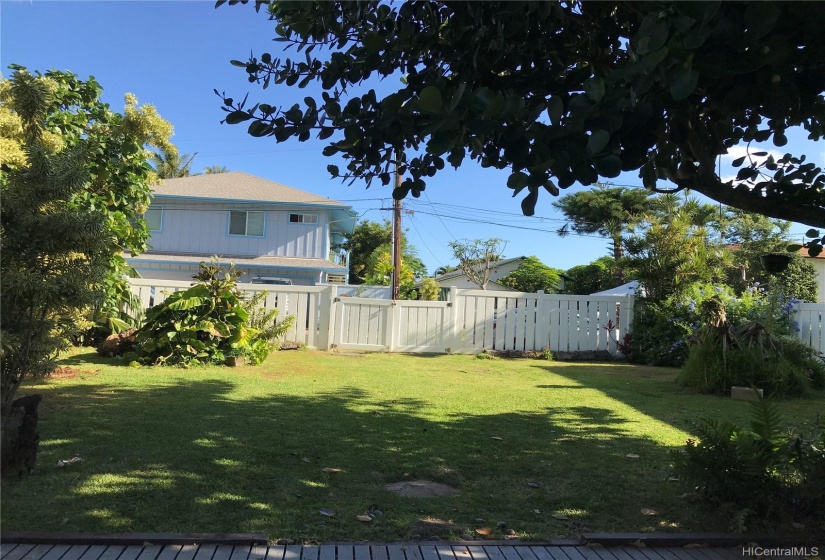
(528, 204)
(597, 141)
(812, 233)
(517, 181)
(793, 248)
(236, 117)
(594, 88)
(609, 166)
(333, 170)
(429, 100)
(555, 109)
(684, 84)
(779, 139)
(187, 303)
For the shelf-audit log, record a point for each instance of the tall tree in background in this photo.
(607, 212)
(169, 164)
(533, 275)
(556, 92)
(365, 245)
(476, 258)
(74, 182)
(444, 269)
(586, 279)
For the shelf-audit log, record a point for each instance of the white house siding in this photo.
(185, 272)
(203, 228)
(819, 265)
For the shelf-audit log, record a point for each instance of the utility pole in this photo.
(396, 234)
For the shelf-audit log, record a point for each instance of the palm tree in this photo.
(169, 164)
(215, 169)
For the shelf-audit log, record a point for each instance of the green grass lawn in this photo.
(217, 449)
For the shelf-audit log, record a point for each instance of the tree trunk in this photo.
(20, 437)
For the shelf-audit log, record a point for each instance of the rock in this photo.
(479, 520)
(564, 356)
(509, 532)
(20, 439)
(501, 524)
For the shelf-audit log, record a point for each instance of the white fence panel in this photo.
(421, 326)
(362, 324)
(808, 317)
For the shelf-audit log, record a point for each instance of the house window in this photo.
(303, 218)
(246, 223)
(154, 218)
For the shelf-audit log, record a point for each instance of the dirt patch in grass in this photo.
(421, 489)
(64, 372)
(429, 528)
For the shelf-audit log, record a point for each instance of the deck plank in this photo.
(413, 552)
(275, 552)
(169, 552)
(205, 551)
(602, 552)
(150, 552)
(240, 552)
(379, 552)
(445, 552)
(710, 554)
(6, 548)
(477, 552)
(37, 552)
(493, 552)
(223, 552)
(361, 552)
(310, 552)
(587, 552)
(733, 553)
(555, 552)
(395, 552)
(326, 552)
(620, 553)
(461, 553)
(525, 553)
(19, 552)
(76, 551)
(428, 552)
(96, 551)
(541, 553)
(186, 552)
(293, 552)
(57, 552)
(344, 552)
(256, 552)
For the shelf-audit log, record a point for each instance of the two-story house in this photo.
(266, 229)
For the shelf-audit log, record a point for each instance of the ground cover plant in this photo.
(551, 449)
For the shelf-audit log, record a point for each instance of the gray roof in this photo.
(236, 185)
(268, 262)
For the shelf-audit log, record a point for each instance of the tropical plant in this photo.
(73, 186)
(761, 475)
(215, 169)
(558, 93)
(268, 330)
(366, 246)
(169, 164)
(202, 324)
(430, 290)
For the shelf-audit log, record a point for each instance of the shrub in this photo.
(267, 329)
(761, 475)
(429, 290)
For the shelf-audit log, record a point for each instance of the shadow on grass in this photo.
(190, 456)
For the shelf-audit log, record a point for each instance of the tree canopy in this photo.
(74, 182)
(370, 255)
(533, 275)
(557, 92)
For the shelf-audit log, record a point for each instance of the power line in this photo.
(414, 222)
(439, 217)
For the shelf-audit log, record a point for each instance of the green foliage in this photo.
(169, 164)
(590, 278)
(554, 94)
(370, 254)
(430, 290)
(266, 328)
(533, 275)
(797, 281)
(761, 475)
(73, 185)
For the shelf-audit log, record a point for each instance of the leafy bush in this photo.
(209, 322)
(760, 475)
(429, 290)
(267, 329)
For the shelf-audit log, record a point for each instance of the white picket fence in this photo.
(471, 321)
(809, 318)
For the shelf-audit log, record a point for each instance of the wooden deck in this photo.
(354, 551)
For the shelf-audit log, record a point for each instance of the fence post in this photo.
(451, 330)
(391, 326)
(328, 315)
(541, 321)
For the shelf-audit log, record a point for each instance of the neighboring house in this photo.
(266, 229)
(500, 269)
(819, 264)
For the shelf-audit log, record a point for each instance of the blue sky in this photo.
(173, 54)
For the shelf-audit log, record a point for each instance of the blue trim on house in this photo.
(229, 221)
(247, 201)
